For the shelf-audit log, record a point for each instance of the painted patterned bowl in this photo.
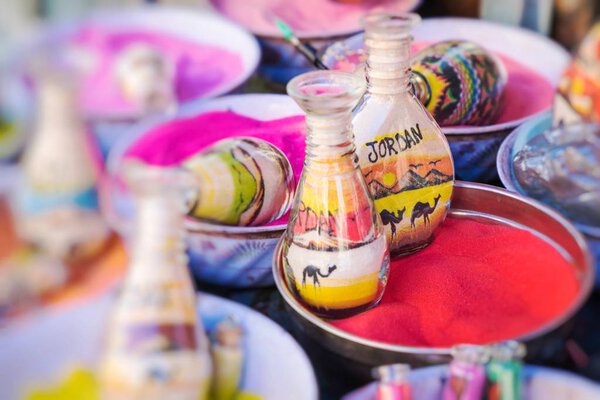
(538, 382)
(474, 147)
(219, 254)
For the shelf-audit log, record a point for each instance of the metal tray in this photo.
(472, 201)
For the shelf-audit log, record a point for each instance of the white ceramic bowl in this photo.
(192, 24)
(41, 353)
(234, 256)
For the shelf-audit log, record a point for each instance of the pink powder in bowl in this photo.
(199, 68)
(173, 142)
(308, 18)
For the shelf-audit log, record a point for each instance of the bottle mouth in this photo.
(326, 90)
(389, 25)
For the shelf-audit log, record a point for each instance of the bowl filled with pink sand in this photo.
(317, 22)
(501, 267)
(221, 254)
(136, 61)
(534, 65)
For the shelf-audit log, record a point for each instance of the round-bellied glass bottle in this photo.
(403, 154)
(335, 252)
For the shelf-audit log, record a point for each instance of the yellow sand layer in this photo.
(340, 293)
(405, 232)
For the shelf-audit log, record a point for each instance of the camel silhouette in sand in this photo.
(423, 210)
(388, 218)
(314, 272)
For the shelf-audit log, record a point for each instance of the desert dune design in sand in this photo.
(423, 188)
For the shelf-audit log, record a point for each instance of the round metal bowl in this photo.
(470, 201)
(474, 148)
(236, 256)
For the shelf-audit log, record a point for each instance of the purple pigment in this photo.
(199, 68)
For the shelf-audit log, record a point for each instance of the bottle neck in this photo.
(388, 63)
(160, 232)
(329, 141)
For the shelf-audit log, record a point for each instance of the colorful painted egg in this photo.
(580, 83)
(242, 181)
(459, 82)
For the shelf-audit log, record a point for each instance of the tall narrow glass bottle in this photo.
(156, 347)
(334, 250)
(403, 154)
(56, 203)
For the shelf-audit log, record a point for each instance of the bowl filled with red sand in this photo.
(501, 267)
(221, 254)
(533, 64)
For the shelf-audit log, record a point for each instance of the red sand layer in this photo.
(476, 283)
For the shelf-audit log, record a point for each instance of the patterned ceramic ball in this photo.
(242, 181)
(459, 82)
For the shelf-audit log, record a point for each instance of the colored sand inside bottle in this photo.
(476, 283)
(173, 142)
(199, 68)
(526, 92)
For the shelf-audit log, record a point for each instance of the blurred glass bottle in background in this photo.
(392, 382)
(156, 347)
(504, 371)
(467, 373)
(56, 202)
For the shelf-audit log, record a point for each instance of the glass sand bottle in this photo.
(467, 373)
(156, 347)
(58, 186)
(334, 249)
(504, 371)
(403, 154)
(393, 382)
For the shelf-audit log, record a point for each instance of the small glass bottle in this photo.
(467, 373)
(403, 154)
(504, 371)
(56, 202)
(156, 347)
(334, 249)
(393, 382)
